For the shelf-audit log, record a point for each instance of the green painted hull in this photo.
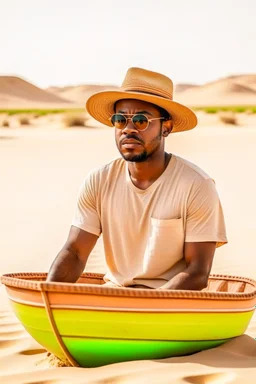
(97, 352)
(95, 338)
(94, 352)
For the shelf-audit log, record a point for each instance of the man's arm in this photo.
(199, 258)
(71, 260)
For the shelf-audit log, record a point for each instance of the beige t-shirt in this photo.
(144, 230)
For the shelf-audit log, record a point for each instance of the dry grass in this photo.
(228, 118)
(234, 109)
(5, 123)
(78, 120)
(24, 120)
(41, 112)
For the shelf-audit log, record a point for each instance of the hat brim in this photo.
(101, 107)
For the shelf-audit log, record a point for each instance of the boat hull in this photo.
(89, 325)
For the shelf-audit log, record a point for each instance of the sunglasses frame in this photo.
(130, 118)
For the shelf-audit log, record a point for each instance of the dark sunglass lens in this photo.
(140, 122)
(118, 121)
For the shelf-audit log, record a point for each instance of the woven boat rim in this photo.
(25, 281)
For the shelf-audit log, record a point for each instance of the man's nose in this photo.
(129, 127)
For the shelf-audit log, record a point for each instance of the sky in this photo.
(62, 42)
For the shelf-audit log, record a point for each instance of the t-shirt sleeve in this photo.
(205, 219)
(86, 214)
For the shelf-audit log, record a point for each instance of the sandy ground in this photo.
(41, 170)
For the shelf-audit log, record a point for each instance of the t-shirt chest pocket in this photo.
(164, 246)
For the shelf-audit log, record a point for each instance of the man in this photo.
(159, 215)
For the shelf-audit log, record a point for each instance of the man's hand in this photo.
(199, 258)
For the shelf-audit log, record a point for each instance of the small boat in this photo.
(90, 325)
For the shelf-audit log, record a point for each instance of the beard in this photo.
(136, 158)
(145, 155)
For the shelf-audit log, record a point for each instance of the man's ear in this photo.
(168, 125)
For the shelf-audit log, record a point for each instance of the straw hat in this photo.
(141, 84)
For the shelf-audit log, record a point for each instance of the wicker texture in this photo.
(36, 281)
(144, 85)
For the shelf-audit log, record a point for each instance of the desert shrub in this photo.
(225, 108)
(24, 120)
(56, 111)
(40, 112)
(5, 123)
(75, 120)
(240, 109)
(13, 112)
(228, 118)
(211, 110)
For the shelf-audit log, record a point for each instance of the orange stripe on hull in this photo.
(70, 299)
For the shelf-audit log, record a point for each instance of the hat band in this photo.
(156, 92)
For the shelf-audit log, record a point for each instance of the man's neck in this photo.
(144, 174)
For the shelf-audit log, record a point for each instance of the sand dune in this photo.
(249, 80)
(16, 92)
(80, 93)
(183, 87)
(234, 90)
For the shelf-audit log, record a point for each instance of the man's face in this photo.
(132, 144)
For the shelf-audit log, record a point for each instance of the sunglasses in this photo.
(139, 121)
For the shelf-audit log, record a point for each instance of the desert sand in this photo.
(78, 93)
(19, 93)
(16, 92)
(42, 167)
(233, 90)
(229, 91)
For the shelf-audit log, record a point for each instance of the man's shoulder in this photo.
(191, 170)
